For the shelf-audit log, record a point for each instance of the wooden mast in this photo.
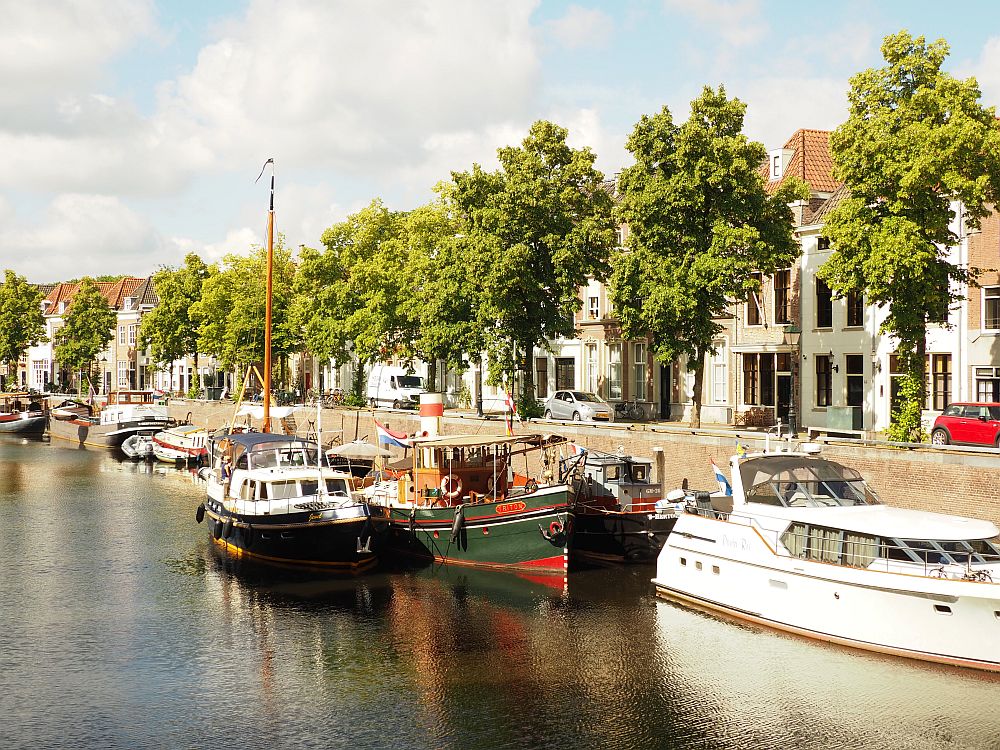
(266, 427)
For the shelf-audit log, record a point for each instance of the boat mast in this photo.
(266, 427)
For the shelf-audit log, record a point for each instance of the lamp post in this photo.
(792, 335)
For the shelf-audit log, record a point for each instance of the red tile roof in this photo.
(811, 161)
(114, 292)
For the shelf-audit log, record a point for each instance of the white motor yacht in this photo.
(803, 544)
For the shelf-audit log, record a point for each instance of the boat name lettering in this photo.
(740, 543)
(315, 516)
(510, 507)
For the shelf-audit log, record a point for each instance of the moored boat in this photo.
(462, 503)
(273, 497)
(616, 514)
(803, 545)
(126, 413)
(21, 413)
(181, 444)
(138, 447)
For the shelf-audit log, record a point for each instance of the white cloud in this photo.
(987, 72)
(582, 27)
(81, 234)
(778, 106)
(736, 22)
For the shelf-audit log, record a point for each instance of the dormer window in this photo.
(776, 167)
(128, 304)
(62, 307)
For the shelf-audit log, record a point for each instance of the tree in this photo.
(21, 321)
(916, 141)
(700, 223)
(231, 312)
(87, 328)
(168, 329)
(535, 231)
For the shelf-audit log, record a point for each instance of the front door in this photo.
(784, 383)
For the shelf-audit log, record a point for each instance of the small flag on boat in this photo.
(511, 412)
(724, 487)
(390, 437)
(577, 449)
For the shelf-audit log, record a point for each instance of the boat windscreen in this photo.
(802, 481)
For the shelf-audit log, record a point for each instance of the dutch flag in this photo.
(724, 487)
(388, 437)
(577, 449)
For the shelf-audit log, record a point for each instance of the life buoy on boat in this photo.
(555, 528)
(530, 486)
(451, 486)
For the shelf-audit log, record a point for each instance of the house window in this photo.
(824, 305)
(987, 383)
(123, 373)
(823, 243)
(121, 335)
(754, 316)
(751, 378)
(782, 296)
(720, 382)
(639, 371)
(131, 334)
(940, 390)
(855, 379)
(593, 308)
(39, 373)
(775, 167)
(767, 379)
(591, 350)
(991, 308)
(824, 381)
(614, 371)
(855, 309)
(541, 377)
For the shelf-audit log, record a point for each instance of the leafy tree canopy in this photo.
(700, 223)
(168, 329)
(916, 141)
(535, 231)
(21, 321)
(87, 327)
(231, 312)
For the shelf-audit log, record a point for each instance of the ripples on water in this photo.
(122, 627)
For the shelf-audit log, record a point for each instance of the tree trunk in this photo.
(528, 384)
(697, 366)
(432, 377)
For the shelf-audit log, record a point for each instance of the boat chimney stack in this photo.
(431, 411)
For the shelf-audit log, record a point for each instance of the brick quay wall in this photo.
(946, 481)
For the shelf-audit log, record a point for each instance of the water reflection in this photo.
(123, 626)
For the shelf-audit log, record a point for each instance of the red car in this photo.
(975, 423)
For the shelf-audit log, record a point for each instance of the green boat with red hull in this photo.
(463, 503)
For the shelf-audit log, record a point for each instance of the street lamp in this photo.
(792, 335)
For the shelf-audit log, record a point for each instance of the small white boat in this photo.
(803, 545)
(138, 447)
(183, 443)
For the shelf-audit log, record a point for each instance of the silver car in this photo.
(578, 405)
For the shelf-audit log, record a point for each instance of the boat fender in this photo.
(217, 530)
(199, 513)
(413, 520)
(451, 486)
(458, 523)
(248, 537)
(227, 530)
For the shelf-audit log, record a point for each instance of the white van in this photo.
(393, 386)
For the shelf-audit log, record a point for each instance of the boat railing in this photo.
(855, 550)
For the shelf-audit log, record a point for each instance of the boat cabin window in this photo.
(830, 545)
(248, 490)
(957, 552)
(612, 473)
(640, 473)
(797, 481)
(283, 490)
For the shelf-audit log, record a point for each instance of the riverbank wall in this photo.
(963, 482)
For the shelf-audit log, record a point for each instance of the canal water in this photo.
(121, 626)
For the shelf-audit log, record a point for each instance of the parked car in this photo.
(578, 405)
(968, 424)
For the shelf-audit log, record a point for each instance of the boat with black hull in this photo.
(21, 413)
(462, 503)
(127, 413)
(618, 519)
(275, 498)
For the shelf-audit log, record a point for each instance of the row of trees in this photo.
(495, 262)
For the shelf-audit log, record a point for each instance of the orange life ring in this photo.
(451, 486)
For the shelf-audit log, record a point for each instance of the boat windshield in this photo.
(272, 455)
(798, 481)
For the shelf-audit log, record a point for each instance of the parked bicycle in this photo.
(630, 411)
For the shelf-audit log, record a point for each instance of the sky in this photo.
(131, 131)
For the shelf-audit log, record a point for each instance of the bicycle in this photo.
(630, 410)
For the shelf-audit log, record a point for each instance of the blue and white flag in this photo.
(724, 487)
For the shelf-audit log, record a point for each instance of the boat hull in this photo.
(23, 424)
(346, 540)
(529, 533)
(619, 537)
(729, 568)
(83, 431)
